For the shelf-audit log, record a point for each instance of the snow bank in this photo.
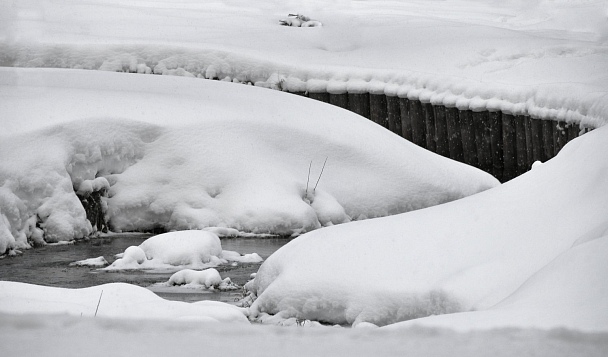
(116, 301)
(541, 57)
(72, 335)
(193, 249)
(500, 246)
(570, 291)
(178, 154)
(91, 262)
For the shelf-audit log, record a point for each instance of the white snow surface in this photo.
(91, 262)
(530, 253)
(115, 301)
(194, 249)
(186, 154)
(545, 58)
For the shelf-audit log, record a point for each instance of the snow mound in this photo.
(521, 245)
(204, 279)
(116, 300)
(194, 249)
(91, 262)
(197, 160)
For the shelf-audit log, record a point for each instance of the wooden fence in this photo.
(501, 144)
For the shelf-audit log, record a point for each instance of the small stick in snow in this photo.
(321, 174)
(308, 178)
(98, 303)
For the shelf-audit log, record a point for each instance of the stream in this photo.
(50, 266)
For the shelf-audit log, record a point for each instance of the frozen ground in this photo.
(546, 58)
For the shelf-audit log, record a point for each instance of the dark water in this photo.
(49, 266)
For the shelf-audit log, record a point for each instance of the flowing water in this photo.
(50, 266)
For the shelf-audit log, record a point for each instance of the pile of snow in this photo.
(298, 20)
(528, 253)
(543, 58)
(178, 154)
(116, 301)
(91, 262)
(194, 279)
(194, 249)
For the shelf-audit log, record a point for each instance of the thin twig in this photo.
(308, 179)
(321, 174)
(98, 303)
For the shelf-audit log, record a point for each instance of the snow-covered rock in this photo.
(177, 153)
(116, 300)
(524, 253)
(194, 249)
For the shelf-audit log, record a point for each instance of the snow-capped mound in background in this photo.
(194, 249)
(116, 300)
(470, 254)
(542, 58)
(188, 158)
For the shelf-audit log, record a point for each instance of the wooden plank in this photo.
(509, 147)
(573, 130)
(441, 131)
(469, 142)
(496, 138)
(454, 134)
(548, 145)
(538, 153)
(406, 119)
(521, 145)
(339, 100)
(429, 123)
(483, 136)
(394, 115)
(561, 136)
(322, 97)
(417, 121)
(378, 109)
(359, 103)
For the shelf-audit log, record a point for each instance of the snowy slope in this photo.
(545, 58)
(186, 154)
(465, 255)
(116, 300)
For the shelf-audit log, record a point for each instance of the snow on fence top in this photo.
(540, 58)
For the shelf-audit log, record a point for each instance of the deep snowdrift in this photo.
(466, 255)
(188, 157)
(116, 300)
(544, 58)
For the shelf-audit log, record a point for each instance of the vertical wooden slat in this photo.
(454, 134)
(406, 119)
(469, 143)
(359, 103)
(573, 130)
(417, 121)
(561, 137)
(441, 131)
(548, 145)
(339, 100)
(394, 115)
(378, 109)
(520, 145)
(429, 124)
(509, 147)
(322, 97)
(483, 136)
(537, 140)
(496, 138)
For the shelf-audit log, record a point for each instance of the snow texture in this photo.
(91, 262)
(115, 301)
(543, 58)
(530, 253)
(178, 154)
(194, 249)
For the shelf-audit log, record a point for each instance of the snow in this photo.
(112, 301)
(195, 279)
(544, 58)
(194, 249)
(529, 253)
(91, 262)
(178, 154)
